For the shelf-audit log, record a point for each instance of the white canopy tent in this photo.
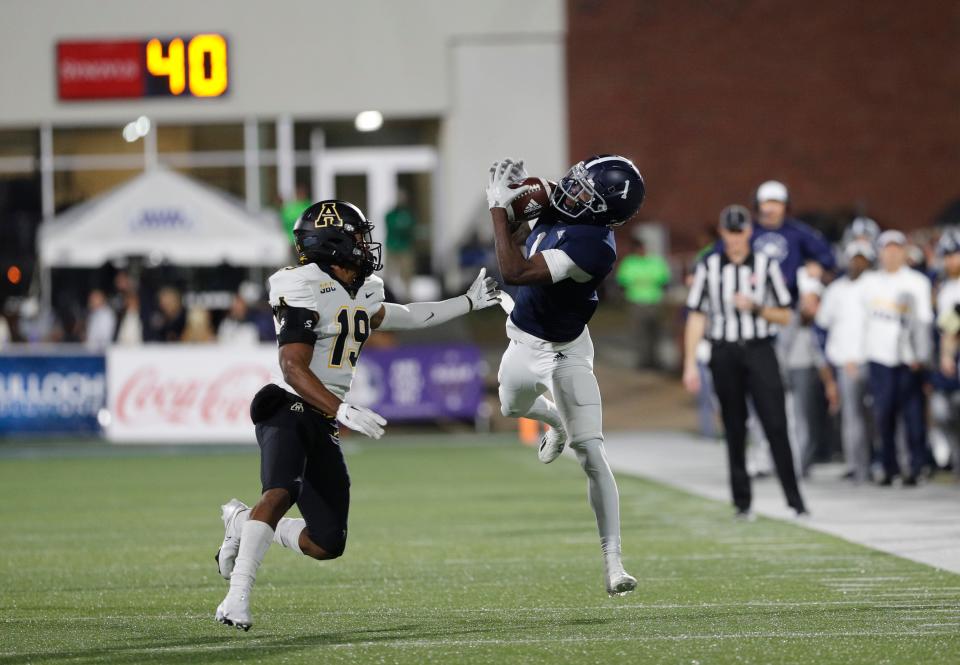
(167, 217)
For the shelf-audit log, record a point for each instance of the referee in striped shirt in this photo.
(737, 301)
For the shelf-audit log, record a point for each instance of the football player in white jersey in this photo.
(325, 309)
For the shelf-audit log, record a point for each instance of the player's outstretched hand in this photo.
(503, 174)
(484, 292)
(361, 419)
(517, 172)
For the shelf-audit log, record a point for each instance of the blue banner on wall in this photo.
(421, 382)
(51, 393)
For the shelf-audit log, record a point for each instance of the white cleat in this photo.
(227, 554)
(235, 611)
(619, 582)
(551, 445)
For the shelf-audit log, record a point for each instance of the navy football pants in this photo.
(898, 391)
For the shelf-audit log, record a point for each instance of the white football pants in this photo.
(566, 371)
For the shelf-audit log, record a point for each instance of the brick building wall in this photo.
(854, 104)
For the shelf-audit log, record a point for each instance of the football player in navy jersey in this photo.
(568, 253)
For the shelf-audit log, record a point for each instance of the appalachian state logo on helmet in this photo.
(328, 215)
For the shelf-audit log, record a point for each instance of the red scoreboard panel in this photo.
(193, 66)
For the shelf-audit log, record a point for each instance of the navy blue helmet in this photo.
(605, 190)
(336, 232)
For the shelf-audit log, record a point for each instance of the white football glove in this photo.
(503, 174)
(361, 419)
(517, 171)
(484, 291)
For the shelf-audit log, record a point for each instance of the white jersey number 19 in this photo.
(356, 329)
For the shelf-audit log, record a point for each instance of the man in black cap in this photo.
(737, 301)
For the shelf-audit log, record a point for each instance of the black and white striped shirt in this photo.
(717, 280)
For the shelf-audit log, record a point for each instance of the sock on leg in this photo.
(546, 412)
(255, 539)
(288, 533)
(603, 495)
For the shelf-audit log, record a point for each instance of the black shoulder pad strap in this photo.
(296, 325)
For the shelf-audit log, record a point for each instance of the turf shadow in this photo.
(263, 645)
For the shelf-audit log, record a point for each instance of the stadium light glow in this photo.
(368, 121)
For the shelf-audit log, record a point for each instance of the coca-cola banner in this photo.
(185, 394)
(201, 394)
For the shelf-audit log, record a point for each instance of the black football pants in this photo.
(751, 368)
(300, 452)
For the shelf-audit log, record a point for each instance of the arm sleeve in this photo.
(422, 314)
(589, 250)
(697, 298)
(777, 286)
(562, 266)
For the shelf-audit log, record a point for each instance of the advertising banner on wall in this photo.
(420, 382)
(201, 394)
(51, 393)
(185, 394)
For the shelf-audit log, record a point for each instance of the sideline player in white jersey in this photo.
(569, 251)
(325, 309)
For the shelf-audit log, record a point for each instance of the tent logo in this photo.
(161, 219)
(328, 216)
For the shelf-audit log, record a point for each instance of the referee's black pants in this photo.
(751, 368)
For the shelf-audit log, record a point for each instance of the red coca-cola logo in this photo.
(150, 395)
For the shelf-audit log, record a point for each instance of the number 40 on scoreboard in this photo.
(200, 64)
(191, 66)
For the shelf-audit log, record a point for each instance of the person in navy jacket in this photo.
(788, 240)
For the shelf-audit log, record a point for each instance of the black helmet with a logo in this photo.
(336, 232)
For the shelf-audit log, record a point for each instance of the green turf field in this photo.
(458, 553)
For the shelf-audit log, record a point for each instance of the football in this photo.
(531, 204)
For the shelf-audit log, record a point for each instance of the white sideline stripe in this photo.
(523, 640)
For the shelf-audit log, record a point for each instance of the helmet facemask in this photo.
(575, 194)
(366, 252)
(352, 249)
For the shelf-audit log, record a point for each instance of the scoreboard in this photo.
(188, 66)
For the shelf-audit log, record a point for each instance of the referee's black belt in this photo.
(756, 341)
